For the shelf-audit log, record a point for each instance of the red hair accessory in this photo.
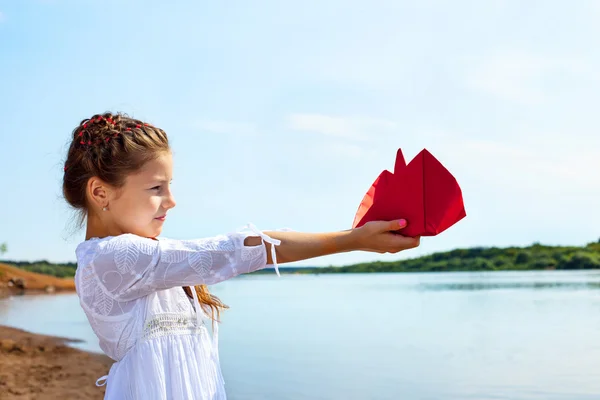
(98, 119)
(107, 119)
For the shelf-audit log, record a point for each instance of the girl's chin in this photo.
(154, 230)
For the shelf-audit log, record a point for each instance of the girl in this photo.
(146, 297)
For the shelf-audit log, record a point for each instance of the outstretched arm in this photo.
(129, 266)
(376, 236)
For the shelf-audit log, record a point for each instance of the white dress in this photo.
(130, 288)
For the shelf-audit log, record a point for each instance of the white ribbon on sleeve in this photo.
(271, 241)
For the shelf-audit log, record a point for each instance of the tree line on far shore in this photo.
(534, 257)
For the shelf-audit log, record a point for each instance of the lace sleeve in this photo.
(130, 266)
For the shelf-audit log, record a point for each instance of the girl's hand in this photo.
(380, 237)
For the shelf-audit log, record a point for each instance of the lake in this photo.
(488, 335)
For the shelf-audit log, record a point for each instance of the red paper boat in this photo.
(422, 192)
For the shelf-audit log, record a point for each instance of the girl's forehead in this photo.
(160, 169)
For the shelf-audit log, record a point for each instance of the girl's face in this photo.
(140, 207)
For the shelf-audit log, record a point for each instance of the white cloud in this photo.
(225, 127)
(524, 78)
(354, 128)
(535, 163)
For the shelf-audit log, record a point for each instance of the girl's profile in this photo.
(146, 296)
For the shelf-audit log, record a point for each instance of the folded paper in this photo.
(423, 192)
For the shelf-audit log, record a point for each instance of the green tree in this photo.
(3, 248)
(523, 257)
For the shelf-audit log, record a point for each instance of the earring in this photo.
(104, 208)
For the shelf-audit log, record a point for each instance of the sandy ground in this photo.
(34, 281)
(42, 367)
(35, 366)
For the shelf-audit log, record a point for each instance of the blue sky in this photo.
(282, 113)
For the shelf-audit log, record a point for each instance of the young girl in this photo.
(146, 297)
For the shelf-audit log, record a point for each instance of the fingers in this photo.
(410, 242)
(387, 226)
(414, 242)
(396, 224)
(405, 243)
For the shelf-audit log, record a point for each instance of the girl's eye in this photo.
(156, 188)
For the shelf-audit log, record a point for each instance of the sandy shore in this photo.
(41, 367)
(32, 281)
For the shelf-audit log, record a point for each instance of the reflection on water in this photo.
(50, 314)
(447, 336)
(465, 286)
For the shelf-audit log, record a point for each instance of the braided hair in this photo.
(111, 147)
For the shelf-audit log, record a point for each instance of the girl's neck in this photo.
(97, 229)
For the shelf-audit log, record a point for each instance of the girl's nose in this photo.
(170, 202)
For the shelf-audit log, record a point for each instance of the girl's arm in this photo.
(128, 266)
(376, 236)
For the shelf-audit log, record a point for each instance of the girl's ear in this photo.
(98, 192)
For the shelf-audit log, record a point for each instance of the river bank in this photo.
(14, 281)
(34, 366)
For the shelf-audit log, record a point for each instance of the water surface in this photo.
(498, 335)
